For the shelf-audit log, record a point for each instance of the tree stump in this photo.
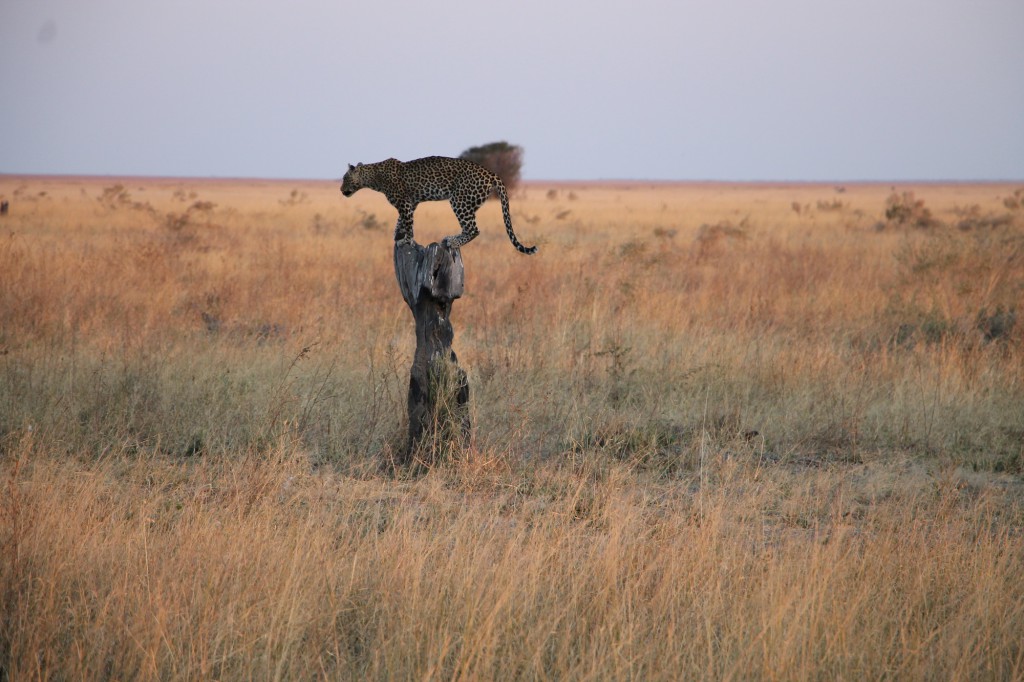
(431, 278)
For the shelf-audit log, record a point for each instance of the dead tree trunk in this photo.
(431, 278)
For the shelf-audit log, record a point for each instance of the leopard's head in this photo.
(353, 181)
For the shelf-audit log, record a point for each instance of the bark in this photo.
(431, 278)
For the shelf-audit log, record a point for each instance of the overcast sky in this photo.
(591, 89)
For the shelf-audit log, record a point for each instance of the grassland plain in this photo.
(721, 431)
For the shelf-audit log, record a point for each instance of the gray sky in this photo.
(592, 89)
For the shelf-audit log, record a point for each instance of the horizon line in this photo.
(539, 181)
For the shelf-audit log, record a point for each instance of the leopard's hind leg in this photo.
(468, 234)
(465, 204)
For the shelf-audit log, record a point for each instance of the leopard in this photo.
(465, 184)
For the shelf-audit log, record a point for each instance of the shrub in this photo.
(114, 197)
(177, 222)
(294, 199)
(501, 158)
(905, 209)
(1015, 201)
(834, 205)
(709, 237)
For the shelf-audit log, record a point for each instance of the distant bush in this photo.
(177, 222)
(710, 236)
(369, 221)
(501, 158)
(1015, 201)
(834, 205)
(117, 196)
(114, 197)
(981, 222)
(905, 209)
(294, 199)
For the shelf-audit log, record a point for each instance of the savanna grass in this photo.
(719, 432)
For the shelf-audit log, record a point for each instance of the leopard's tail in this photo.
(499, 187)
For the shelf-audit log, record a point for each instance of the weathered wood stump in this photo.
(431, 278)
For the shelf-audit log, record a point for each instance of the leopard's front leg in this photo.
(403, 229)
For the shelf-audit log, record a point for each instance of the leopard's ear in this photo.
(359, 164)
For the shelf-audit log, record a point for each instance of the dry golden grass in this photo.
(721, 431)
